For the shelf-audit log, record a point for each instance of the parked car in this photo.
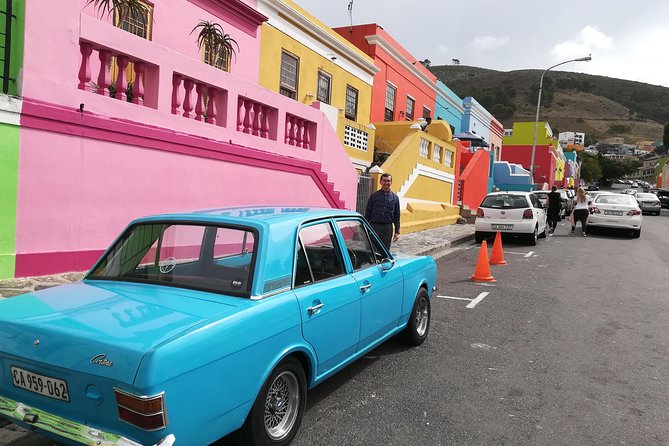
(615, 211)
(663, 195)
(194, 325)
(649, 203)
(629, 192)
(592, 187)
(517, 213)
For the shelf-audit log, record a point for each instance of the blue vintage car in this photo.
(194, 325)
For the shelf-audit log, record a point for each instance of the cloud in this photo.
(586, 42)
(443, 49)
(488, 43)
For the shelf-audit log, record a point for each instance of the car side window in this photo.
(535, 201)
(321, 254)
(357, 243)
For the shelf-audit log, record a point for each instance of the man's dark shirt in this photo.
(554, 199)
(383, 207)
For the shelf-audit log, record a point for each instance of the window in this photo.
(426, 112)
(220, 60)
(289, 75)
(356, 138)
(357, 244)
(318, 255)
(324, 87)
(212, 258)
(351, 103)
(411, 104)
(390, 103)
(139, 25)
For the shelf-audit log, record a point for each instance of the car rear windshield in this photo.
(505, 201)
(615, 199)
(210, 258)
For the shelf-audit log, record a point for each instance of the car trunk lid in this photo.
(99, 328)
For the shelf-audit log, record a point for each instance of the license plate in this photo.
(43, 385)
(501, 227)
(613, 212)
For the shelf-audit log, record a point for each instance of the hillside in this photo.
(599, 106)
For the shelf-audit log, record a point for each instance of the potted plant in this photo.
(217, 44)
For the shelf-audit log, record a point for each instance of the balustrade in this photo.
(204, 108)
(300, 132)
(256, 118)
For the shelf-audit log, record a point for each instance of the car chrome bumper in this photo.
(62, 427)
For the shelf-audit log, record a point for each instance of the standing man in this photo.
(554, 207)
(383, 211)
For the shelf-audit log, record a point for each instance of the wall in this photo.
(398, 67)
(9, 156)
(88, 163)
(448, 106)
(510, 176)
(312, 43)
(517, 148)
(474, 178)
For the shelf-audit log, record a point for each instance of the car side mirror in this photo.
(387, 263)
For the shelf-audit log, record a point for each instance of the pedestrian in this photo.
(425, 123)
(383, 212)
(581, 210)
(554, 202)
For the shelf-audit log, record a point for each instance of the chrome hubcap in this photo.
(281, 405)
(422, 317)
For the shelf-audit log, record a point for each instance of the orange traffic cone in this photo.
(497, 256)
(482, 271)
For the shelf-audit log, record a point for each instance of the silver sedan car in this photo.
(649, 203)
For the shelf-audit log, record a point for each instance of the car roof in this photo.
(252, 216)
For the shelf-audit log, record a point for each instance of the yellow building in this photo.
(302, 58)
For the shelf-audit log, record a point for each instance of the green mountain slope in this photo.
(599, 106)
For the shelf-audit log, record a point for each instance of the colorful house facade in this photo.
(404, 90)
(99, 148)
(305, 60)
(448, 107)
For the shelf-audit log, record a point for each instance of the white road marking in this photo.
(529, 254)
(478, 299)
(517, 253)
(457, 298)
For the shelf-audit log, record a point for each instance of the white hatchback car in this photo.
(615, 211)
(517, 213)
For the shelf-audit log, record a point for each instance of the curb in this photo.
(446, 245)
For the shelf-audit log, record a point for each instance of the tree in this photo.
(590, 170)
(218, 46)
(133, 9)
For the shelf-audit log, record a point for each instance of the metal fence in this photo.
(7, 18)
(364, 191)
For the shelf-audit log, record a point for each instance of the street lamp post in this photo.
(536, 119)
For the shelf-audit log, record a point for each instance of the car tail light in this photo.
(528, 213)
(595, 210)
(634, 212)
(479, 213)
(145, 412)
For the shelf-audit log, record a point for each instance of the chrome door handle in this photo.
(365, 288)
(315, 309)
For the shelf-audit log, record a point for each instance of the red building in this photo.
(404, 89)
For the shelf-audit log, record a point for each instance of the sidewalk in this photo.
(426, 242)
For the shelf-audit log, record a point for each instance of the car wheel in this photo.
(636, 233)
(534, 237)
(418, 326)
(277, 412)
(478, 237)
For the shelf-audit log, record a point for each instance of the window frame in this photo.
(285, 88)
(225, 65)
(353, 117)
(409, 116)
(369, 242)
(324, 75)
(299, 245)
(389, 113)
(427, 112)
(149, 21)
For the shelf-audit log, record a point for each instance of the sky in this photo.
(627, 40)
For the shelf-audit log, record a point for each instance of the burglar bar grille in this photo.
(6, 44)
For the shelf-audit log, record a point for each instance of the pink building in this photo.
(193, 136)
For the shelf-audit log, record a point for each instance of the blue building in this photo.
(448, 107)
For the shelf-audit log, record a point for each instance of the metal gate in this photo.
(364, 191)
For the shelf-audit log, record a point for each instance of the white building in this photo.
(566, 138)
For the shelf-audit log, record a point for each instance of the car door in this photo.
(329, 298)
(540, 211)
(380, 288)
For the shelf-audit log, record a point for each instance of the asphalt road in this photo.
(568, 348)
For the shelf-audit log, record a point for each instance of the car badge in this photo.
(101, 360)
(36, 342)
(503, 212)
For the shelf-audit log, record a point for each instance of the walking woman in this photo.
(581, 210)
